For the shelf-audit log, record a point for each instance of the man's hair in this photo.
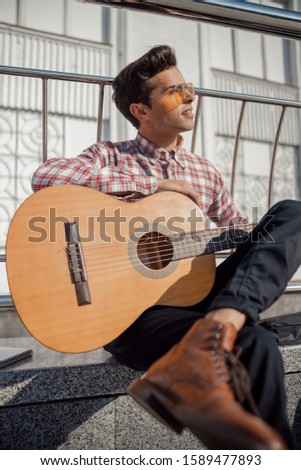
(131, 84)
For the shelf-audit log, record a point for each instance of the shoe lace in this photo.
(240, 380)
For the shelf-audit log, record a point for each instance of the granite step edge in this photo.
(94, 374)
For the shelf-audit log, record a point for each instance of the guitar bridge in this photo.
(76, 264)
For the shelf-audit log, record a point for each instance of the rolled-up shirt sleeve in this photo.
(90, 169)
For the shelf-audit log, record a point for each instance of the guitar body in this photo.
(120, 280)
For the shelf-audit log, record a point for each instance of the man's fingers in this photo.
(179, 186)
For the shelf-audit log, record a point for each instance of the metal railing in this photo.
(47, 51)
(45, 76)
(230, 13)
(102, 82)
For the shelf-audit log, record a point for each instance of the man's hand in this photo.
(228, 315)
(179, 186)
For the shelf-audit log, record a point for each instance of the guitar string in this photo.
(152, 248)
(151, 260)
(160, 254)
(171, 238)
(120, 265)
(91, 251)
(126, 267)
(118, 262)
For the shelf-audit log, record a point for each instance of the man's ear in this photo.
(139, 111)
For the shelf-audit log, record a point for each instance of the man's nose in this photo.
(188, 96)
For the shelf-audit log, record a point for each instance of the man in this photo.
(194, 378)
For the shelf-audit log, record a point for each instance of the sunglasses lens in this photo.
(179, 97)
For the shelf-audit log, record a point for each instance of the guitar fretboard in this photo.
(195, 243)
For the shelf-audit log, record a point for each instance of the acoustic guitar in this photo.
(82, 265)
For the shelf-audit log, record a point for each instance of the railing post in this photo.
(197, 118)
(44, 118)
(236, 146)
(275, 148)
(100, 112)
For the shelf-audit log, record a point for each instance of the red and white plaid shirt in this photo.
(133, 166)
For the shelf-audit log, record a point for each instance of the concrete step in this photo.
(79, 401)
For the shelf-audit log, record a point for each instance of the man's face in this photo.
(166, 115)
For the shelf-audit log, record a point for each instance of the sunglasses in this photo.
(178, 91)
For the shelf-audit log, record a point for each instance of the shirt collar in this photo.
(154, 152)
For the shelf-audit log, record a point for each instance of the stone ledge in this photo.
(78, 401)
(51, 375)
(291, 356)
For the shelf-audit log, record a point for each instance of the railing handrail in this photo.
(242, 15)
(55, 75)
(100, 80)
(6, 301)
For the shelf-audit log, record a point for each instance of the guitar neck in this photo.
(196, 243)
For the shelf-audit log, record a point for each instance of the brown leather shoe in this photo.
(193, 386)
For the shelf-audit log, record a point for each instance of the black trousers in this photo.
(249, 280)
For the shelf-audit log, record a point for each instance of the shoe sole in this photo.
(213, 432)
(155, 403)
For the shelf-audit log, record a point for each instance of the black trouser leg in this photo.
(256, 274)
(261, 357)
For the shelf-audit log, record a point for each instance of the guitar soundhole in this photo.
(155, 250)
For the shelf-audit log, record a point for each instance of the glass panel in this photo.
(249, 52)
(84, 21)
(221, 57)
(274, 56)
(9, 11)
(38, 15)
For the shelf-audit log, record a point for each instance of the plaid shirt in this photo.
(133, 167)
